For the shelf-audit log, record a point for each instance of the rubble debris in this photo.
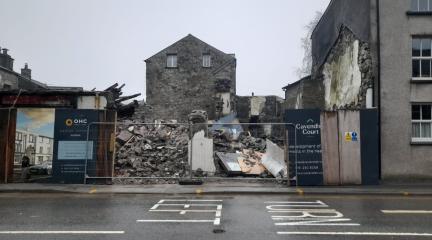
(202, 154)
(229, 124)
(274, 160)
(229, 162)
(198, 119)
(249, 142)
(124, 136)
(250, 162)
(123, 110)
(152, 151)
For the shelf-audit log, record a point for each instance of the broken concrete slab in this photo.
(124, 136)
(274, 160)
(230, 162)
(202, 153)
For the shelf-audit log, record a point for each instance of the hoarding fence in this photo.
(166, 152)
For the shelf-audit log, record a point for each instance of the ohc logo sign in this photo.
(70, 122)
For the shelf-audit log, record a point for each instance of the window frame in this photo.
(420, 58)
(204, 57)
(418, 7)
(420, 121)
(174, 56)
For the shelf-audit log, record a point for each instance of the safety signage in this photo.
(351, 137)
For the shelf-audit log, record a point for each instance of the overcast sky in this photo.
(95, 43)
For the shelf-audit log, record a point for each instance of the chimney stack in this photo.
(26, 72)
(6, 60)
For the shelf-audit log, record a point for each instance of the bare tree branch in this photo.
(306, 44)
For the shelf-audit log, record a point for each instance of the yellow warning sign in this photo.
(348, 137)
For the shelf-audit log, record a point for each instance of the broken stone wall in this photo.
(172, 93)
(260, 109)
(293, 95)
(347, 73)
(344, 54)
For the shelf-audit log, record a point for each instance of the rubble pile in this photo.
(249, 142)
(159, 150)
(225, 142)
(117, 101)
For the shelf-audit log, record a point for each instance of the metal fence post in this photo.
(191, 150)
(86, 156)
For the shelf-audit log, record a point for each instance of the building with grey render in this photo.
(377, 54)
(190, 75)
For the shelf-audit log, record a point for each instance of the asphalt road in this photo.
(98, 216)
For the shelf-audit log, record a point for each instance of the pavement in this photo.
(222, 187)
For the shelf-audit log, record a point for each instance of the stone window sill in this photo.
(421, 143)
(421, 80)
(412, 13)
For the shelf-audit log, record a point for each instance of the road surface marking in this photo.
(184, 206)
(62, 232)
(175, 221)
(315, 204)
(359, 234)
(315, 213)
(189, 200)
(407, 211)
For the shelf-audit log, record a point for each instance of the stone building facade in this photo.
(11, 80)
(377, 54)
(190, 75)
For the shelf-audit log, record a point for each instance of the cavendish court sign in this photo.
(305, 156)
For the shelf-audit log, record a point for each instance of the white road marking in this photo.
(407, 211)
(317, 213)
(359, 234)
(186, 205)
(175, 221)
(316, 204)
(62, 232)
(183, 211)
(188, 200)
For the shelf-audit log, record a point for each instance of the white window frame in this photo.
(206, 60)
(420, 139)
(171, 61)
(418, 6)
(421, 58)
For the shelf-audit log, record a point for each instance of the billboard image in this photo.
(35, 135)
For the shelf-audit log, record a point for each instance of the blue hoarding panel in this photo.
(305, 151)
(70, 148)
